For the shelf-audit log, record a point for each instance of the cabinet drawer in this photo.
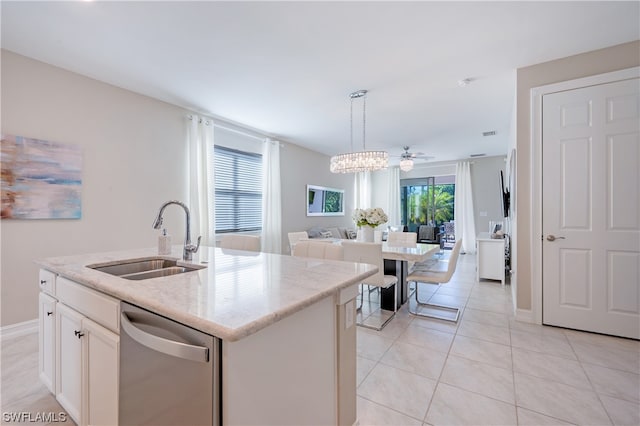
(99, 307)
(47, 282)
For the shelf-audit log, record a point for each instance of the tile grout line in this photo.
(593, 388)
(513, 377)
(444, 365)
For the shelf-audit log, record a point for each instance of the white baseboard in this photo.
(525, 315)
(19, 329)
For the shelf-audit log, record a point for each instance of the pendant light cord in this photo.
(351, 124)
(364, 120)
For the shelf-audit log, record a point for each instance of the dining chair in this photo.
(402, 237)
(371, 253)
(449, 231)
(294, 237)
(440, 273)
(318, 250)
(240, 242)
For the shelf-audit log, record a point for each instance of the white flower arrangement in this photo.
(371, 217)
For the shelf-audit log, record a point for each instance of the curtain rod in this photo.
(238, 131)
(206, 122)
(230, 129)
(443, 163)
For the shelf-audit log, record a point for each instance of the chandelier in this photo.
(364, 160)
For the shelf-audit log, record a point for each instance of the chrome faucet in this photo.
(189, 248)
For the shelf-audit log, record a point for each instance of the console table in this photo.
(490, 257)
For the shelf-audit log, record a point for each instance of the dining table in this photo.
(396, 257)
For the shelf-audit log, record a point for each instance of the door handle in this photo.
(551, 237)
(166, 346)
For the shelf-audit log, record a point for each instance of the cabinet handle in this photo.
(43, 282)
(160, 344)
(49, 313)
(78, 333)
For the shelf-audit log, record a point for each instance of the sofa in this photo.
(332, 232)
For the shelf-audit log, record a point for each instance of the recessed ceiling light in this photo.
(490, 133)
(464, 82)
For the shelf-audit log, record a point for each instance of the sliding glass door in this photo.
(427, 201)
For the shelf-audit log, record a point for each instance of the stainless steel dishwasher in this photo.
(169, 373)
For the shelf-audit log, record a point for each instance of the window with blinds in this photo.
(238, 190)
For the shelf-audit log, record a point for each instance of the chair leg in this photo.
(435, 306)
(395, 309)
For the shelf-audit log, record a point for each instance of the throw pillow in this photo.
(315, 232)
(343, 233)
(326, 234)
(334, 232)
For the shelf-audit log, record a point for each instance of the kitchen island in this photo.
(286, 326)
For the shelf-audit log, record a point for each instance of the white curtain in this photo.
(362, 190)
(464, 221)
(271, 199)
(201, 196)
(394, 196)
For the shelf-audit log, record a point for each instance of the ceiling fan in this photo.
(406, 158)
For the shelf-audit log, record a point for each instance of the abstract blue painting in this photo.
(40, 179)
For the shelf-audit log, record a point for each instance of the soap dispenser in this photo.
(164, 243)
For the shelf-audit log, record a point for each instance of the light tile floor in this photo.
(490, 369)
(21, 392)
(486, 369)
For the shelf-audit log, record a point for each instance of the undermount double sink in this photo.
(142, 269)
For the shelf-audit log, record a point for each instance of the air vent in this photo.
(491, 133)
(477, 155)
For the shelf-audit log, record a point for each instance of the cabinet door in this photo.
(47, 341)
(47, 282)
(491, 260)
(100, 353)
(69, 360)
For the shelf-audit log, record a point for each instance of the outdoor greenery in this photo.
(418, 208)
(333, 202)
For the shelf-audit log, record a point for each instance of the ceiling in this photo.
(287, 68)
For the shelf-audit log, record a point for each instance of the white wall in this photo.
(298, 168)
(134, 159)
(484, 180)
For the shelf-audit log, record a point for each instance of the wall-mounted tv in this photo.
(504, 197)
(322, 201)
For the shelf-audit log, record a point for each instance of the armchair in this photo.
(429, 234)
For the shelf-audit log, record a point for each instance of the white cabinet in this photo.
(262, 381)
(79, 353)
(69, 361)
(47, 341)
(100, 374)
(47, 282)
(490, 258)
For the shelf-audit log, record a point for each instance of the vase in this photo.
(366, 233)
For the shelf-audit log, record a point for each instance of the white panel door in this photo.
(591, 208)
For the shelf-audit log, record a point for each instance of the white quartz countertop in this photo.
(236, 295)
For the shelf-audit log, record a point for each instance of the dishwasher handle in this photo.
(166, 346)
